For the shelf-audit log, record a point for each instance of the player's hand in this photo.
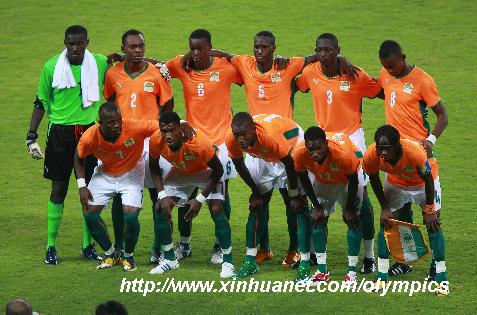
(164, 71)
(347, 68)
(114, 57)
(255, 201)
(194, 209)
(386, 214)
(431, 221)
(186, 62)
(351, 218)
(85, 195)
(33, 147)
(187, 131)
(167, 204)
(295, 203)
(427, 146)
(280, 63)
(318, 215)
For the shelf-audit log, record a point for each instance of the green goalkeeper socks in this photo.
(98, 230)
(55, 213)
(132, 229)
(86, 235)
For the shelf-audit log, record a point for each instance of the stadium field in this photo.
(439, 36)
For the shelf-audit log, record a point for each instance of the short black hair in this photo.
(388, 48)
(389, 132)
(268, 35)
(108, 107)
(18, 307)
(241, 119)
(130, 32)
(76, 29)
(329, 36)
(111, 308)
(169, 117)
(201, 34)
(315, 133)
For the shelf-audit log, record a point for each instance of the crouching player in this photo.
(118, 144)
(409, 179)
(194, 164)
(335, 163)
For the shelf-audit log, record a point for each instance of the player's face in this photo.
(172, 134)
(111, 125)
(326, 52)
(395, 64)
(245, 136)
(75, 47)
(317, 149)
(134, 49)
(263, 49)
(385, 150)
(200, 52)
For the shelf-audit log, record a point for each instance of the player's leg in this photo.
(55, 214)
(304, 240)
(223, 233)
(117, 216)
(183, 250)
(292, 256)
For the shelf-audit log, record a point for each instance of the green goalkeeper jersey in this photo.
(65, 106)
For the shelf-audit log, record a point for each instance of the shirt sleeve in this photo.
(108, 90)
(371, 160)
(237, 61)
(232, 147)
(164, 89)
(296, 65)
(429, 92)
(207, 150)
(155, 144)
(368, 87)
(84, 147)
(44, 86)
(174, 66)
(380, 78)
(299, 159)
(421, 162)
(302, 84)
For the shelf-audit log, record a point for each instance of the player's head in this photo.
(110, 120)
(387, 143)
(316, 143)
(76, 41)
(111, 308)
(171, 131)
(392, 58)
(133, 46)
(18, 307)
(200, 44)
(243, 129)
(327, 48)
(264, 46)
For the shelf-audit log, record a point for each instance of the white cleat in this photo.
(164, 266)
(227, 271)
(217, 256)
(351, 279)
(181, 252)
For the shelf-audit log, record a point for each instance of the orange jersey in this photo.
(138, 97)
(207, 96)
(192, 157)
(338, 100)
(269, 92)
(406, 171)
(343, 159)
(122, 155)
(276, 136)
(407, 100)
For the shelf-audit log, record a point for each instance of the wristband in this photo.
(292, 193)
(432, 139)
(81, 183)
(200, 198)
(161, 195)
(429, 209)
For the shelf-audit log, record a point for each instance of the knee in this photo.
(58, 191)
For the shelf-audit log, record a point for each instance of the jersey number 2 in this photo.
(133, 100)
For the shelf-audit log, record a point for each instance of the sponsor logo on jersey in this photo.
(129, 142)
(407, 88)
(276, 77)
(345, 86)
(214, 77)
(188, 156)
(148, 86)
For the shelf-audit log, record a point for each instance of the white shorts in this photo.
(357, 137)
(229, 167)
(163, 164)
(103, 187)
(330, 194)
(398, 196)
(182, 185)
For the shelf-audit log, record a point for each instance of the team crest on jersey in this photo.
(345, 86)
(129, 142)
(407, 88)
(409, 168)
(188, 156)
(276, 77)
(148, 86)
(334, 168)
(214, 77)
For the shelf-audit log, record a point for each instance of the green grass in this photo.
(439, 36)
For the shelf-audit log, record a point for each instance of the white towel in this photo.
(63, 77)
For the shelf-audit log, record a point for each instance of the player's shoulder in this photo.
(90, 132)
(299, 151)
(116, 68)
(100, 58)
(311, 69)
(421, 75)
(412, 147)
(51, 63)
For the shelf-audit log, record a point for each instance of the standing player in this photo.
(336, 164)
(409, 93)
(409, 180)
(206, 87)
(141, 93)
(68, 91)
(119, 145)
(194, 164)
(268, 141)
(336, 96)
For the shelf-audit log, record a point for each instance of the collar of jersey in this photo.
(135, 76)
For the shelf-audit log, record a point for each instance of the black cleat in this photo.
(369, 266)
(90, 253)
(50, 256)
(398, 269)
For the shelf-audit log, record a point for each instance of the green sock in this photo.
(98, 229)
(156, 247)
(406, 216)
(292, 229)
(132, 228)
(319, 234)
(383, 253)
(227, 206)
(117, 216)
(264, 240)
(366, 216)
(304, 231)
(163, 234)
(55, 213)
(222, 230)
(438, 252)
(255, 227)
(354, 242)
(86, 235)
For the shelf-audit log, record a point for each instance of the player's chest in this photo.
(400, 93)
(402, 169)
(120, 149)
(206, 83)
(143, 85)
(182, 159)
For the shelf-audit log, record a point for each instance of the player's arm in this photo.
(441, 123)
(291, 175)
(37, 115)
(429, 214)
(350, 212)
(318, 214)
(84, 192)
(244, 173)
(221, 54)
(377, 185)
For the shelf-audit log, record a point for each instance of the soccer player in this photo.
(118, 143)
(336, 96)
(206, 86)
(268, 141)
(409, 93)
(409, 179)
(68, 91)
(141, 93)
(194, 165)
(335, 163)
